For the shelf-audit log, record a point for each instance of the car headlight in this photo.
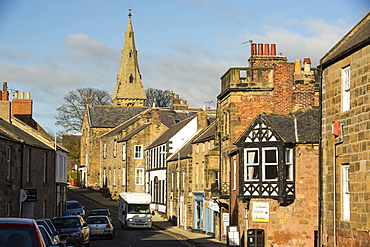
(74, 234)
(129, 219)
(149, 220)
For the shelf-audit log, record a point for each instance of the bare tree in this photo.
(71, 113)
(161, 98)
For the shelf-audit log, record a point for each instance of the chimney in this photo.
(254, 49)
(202, 122)
(273, 50)
(5, 105)
(266, 50)
(89, 100)
(22, 106)
(260, 49)
(307, 65)
(298, 66)
(156, 116)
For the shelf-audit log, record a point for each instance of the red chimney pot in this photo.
(260, 49)
(254, 49)
(273, 50)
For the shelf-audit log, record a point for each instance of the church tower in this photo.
(129, 89)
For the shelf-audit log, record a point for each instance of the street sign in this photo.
(28, 195)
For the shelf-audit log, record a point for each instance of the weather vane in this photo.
(129, 12)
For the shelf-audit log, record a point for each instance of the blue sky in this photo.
(50, 47)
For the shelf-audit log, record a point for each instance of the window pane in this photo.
(270, 156)
(271, 172)
(252, 156)
(288, 156)
(252, 172)
(289, 172)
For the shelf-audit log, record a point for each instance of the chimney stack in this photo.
(307, 65)
(5, 105)
(298, 66)
(22, 106)
(89, 100)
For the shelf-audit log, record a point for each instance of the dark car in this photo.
(52, 232)
(75, 208)
(100, 211)
(100, 226)
(73, 229)
(49, 241)
(16, 232)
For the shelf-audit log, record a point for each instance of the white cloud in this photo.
(319, 37)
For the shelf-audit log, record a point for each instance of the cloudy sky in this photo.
(50, 47)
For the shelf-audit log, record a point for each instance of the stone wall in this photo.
(351, 147)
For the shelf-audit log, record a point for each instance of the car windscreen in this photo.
(63, 223)
(97, 220)
(138, 209)
(18, 236)
(73, 205)
(100, 212)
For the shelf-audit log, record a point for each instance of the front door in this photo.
(198, 210)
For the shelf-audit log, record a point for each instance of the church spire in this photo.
(129, 89)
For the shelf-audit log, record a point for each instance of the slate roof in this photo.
(121, 127)
(110, 116)
(9, 131)
(169, 117)
(301, 126)
(207, 134)
(137, 130)
(355, 39)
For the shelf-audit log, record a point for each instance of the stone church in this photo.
(114, 137)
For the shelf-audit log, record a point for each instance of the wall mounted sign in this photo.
(261, 212)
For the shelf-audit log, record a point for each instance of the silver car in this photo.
(100, 225)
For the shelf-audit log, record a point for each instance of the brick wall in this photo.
(294, 225)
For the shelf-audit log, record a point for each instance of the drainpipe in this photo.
(335, 183)
(320, 192)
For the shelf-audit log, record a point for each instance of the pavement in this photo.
(188, 238)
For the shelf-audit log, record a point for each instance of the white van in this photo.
(134, 210)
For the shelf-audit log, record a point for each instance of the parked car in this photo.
(100, 211)
(100, 226)
(49, 240)
(52, 232)
(16, 232)
(73, 229)
(51, 226)
(75, 208)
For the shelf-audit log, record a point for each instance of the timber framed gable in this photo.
(266, 163)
